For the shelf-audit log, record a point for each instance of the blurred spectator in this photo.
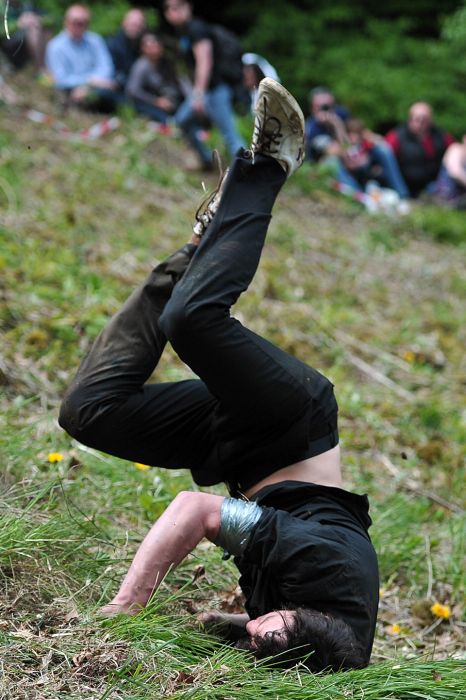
(358, 156)
(211, 95)
(450, 186)
(124, 46)
(255, 69)
(27, 35)
(367, 159)
(325, 125)
(152, 84)
(7, 95)
(419, 147)
(80, 63)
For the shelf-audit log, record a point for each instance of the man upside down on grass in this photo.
(257, 418)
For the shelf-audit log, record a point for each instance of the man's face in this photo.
(177, 12)
(322, 104)
(76, 22)
(420, 118)
(134, 24)
(275, 623)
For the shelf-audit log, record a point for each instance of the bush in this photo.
(442, 224)
(377, 69)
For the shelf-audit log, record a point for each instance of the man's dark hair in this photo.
(317, 640)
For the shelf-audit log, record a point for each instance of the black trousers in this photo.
(254, 408)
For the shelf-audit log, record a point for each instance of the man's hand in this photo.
(198, 102)
(105, 83)
(335, 123)
(164, 103)
(80, 93)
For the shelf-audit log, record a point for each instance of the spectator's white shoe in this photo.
(278, 126)
(208, 208)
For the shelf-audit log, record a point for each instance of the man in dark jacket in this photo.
(257, 418)
(325, 124)
(124, 46)
(419, 146)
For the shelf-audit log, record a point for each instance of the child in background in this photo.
(356, 156)
(367, 171)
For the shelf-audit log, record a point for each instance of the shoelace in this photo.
(268, 132)
(204, 213)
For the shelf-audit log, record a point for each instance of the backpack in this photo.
(228, 54)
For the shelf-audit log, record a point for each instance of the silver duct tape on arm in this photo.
(237, 519)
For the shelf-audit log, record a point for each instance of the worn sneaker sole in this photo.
(276, 101)
(269, 84)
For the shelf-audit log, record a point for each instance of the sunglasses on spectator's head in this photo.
(79, 22)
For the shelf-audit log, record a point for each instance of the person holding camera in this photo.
(325, 127)
(327, 138)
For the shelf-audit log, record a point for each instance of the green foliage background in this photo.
(377, 66)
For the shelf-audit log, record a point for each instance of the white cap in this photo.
(266, 67)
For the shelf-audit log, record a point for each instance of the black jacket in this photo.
(124, 52)
(311, 549)
(418, 167)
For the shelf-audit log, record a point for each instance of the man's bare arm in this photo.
(203, 54)
(189, 518)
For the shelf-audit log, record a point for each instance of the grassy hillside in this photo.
(378, 304)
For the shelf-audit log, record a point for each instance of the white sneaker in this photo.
(278, 126)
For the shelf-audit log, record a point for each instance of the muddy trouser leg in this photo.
(248, 388)
(260, 388)
(108, 405)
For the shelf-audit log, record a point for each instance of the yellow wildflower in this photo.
(394, 629)
(440, 610)
(381, 592)
(409, 356)
(55, 457)
(142, 467)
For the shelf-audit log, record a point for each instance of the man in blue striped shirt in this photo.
(79, 60)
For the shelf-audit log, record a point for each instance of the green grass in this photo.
(80, 225)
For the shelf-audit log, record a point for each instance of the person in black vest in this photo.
(419, 146)
(124, 46)
(256, 418)
(211, 95)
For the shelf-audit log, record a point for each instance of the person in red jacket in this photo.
(419, 146)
